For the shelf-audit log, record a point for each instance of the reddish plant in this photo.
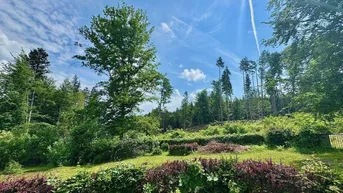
(23, 185)
(215, 147)
(166, 177)
(269, 177)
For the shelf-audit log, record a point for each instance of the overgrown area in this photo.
(292, 103)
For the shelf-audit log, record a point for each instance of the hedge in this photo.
(245, 139)
(199, 175)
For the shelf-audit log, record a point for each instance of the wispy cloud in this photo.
(166, 29)
(252, 15)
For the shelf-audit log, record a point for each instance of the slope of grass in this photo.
(289, 156)
(284, 156)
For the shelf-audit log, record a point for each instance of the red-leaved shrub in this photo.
(166, 177)
(183, 149)
(269, 177)
(215, 147)
(23, 185)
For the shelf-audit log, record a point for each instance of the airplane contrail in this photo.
(252, 15)
(240, 22)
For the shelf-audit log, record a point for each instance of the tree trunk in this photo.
(31, 106)
(262, 96)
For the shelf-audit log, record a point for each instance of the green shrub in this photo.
(211, 130)
(133, 134)
(27, 143)
(157, 151)
(59, 153)
(81, 137)
(118, 179)
(13, 167)
(41, 135)
(179, 133)
(131, 148)
(234, 129)
(165, 147)
(279, 137)
(101, 150)
(82, 182)
(322, 176)
(183, 149)
(312, 136)
(245, 139)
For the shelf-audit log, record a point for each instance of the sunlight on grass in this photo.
(285, 156)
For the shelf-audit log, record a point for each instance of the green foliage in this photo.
(131, 148)
(119, 179)
(279, 137)
(234, 129)
(245, 139)
(193, 179)
(157, 151)
(13, 167)
(312, 136)
(59, 153)
(146, 124)
(81, 182)
(165, 147)
(27, 144)
(131, 71)
(183, 149)
(323, 177)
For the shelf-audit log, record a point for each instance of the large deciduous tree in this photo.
(121, 49)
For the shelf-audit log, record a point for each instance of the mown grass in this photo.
(284, 156)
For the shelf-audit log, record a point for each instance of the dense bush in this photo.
(322, 177)
(234, 129)
(165, 147)
(59, 153)
(166, 177)
(27, 144)
(279, 136)
(119, 179)
(215, 147)
(157, 151)
(34, 185)
(13, 167)
(255, 176)
(131, 148)
(199, 175)
(245, 139)
(183, 149)
(312, 136)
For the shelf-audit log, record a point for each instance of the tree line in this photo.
(307, 75)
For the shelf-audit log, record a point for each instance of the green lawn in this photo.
(284, 156)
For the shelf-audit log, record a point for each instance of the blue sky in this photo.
(189, 36)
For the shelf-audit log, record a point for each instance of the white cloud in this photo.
(180, 66)
(192, 75)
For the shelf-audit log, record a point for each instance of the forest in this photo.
(291, 110)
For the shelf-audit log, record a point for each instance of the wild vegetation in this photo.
(292, 102)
